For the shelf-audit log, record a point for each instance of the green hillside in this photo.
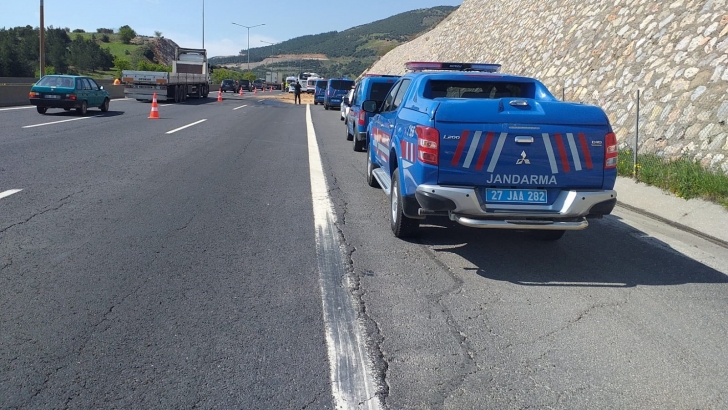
(350, 51)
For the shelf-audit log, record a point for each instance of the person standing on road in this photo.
(297, 93)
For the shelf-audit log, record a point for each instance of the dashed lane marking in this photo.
(9, 192)
(242, 106)
(25, 107)
(186, 126)
(58, 122)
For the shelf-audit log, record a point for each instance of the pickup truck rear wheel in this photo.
(358, 145)
(371, 181)
(548, 235)
(402, 227)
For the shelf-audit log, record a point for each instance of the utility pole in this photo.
(203, 24)
(42, 42)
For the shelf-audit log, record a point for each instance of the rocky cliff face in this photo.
(598, 52)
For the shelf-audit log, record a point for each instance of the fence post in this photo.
(636, 137)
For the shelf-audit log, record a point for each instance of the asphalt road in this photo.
(141, 269)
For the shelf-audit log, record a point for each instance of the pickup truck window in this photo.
(379, 91)
(387, 105)
(400, 93)
(476, 89)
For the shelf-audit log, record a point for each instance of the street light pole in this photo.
(249, 27)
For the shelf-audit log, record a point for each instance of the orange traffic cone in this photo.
(241, 91)
(155, 109)
(219, 95)
(255, 90)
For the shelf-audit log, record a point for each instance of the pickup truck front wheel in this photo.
(402, 227)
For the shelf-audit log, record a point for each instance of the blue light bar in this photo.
(424, 65)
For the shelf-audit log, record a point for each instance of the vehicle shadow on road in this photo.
(609, 253)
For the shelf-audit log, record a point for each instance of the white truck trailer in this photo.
(190, 77)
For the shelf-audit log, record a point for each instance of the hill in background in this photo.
(337, 54)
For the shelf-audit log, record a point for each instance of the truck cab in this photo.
(489, 150)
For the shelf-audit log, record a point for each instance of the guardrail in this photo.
(14, 91)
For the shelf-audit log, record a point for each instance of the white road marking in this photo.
(58, 122)
(25, 107)
(186, 126)
(242, 106)
(8, 193)
(351, 382)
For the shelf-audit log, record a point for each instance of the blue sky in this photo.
(181, 20)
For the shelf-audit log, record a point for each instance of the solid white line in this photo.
(186, 126)
(352, 385)
(58, 122)
(25, 107)
(8, 193)
(242, 106)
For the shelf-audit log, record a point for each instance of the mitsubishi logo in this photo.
(523, 159)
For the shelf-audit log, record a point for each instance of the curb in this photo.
(674, 224)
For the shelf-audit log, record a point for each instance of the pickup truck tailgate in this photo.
(521, 143)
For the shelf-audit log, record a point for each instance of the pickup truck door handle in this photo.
(524, 140)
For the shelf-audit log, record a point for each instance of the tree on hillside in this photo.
(87, 55)
(126, 34)
(57, 43)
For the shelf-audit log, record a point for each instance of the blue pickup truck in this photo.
(489, 150)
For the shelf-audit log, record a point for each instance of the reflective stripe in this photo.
(574, 151)
(550, 153)
(585, 149)
(472, 149)
(562, 152)
(461, 145)
(484, 151)
(497, 152)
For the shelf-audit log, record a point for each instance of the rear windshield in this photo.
(477, 89)
(320, 84)
(341, 84)
(227, 81)
(379, 91)
(50, 81)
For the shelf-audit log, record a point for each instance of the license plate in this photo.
(52, 96)
(520, 196)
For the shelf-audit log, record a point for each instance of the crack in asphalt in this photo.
(470, 365)
(42, 212)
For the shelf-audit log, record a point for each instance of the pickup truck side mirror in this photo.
(369, 106)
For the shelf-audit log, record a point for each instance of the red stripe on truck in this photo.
(562, 152)
(461, 146)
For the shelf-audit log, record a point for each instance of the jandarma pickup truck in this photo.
(489, 150)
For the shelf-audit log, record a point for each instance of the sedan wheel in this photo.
(83, 108)
(41, 110)
(105, 105)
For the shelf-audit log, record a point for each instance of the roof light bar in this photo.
(424, 65)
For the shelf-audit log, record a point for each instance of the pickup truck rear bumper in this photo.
(465, 206)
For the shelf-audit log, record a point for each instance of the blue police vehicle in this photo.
(371, 87)
(319, 91)
(336, 89)
(489, 150)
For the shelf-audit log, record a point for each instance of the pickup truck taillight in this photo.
(610, 151)
(428, 139)
(362, 118)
